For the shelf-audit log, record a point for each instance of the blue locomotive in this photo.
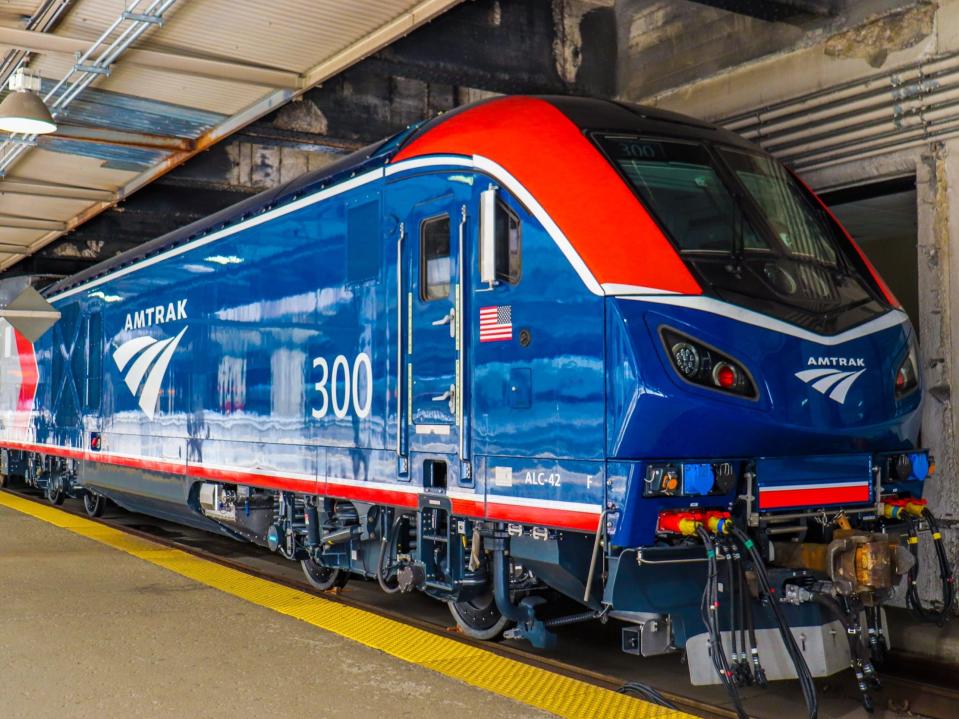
(535, 353)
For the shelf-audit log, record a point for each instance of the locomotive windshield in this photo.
(753, 234)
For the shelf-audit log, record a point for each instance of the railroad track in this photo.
(903, 694)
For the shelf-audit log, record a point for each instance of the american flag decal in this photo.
(496, 323)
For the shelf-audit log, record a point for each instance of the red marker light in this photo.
(900, 379)
(725, 375)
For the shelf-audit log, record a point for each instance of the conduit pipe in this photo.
(882, 113)
(816, 138)
(861, 125)
(842, 92)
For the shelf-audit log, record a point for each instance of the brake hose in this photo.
(930, 614)
(388, 540)
(709, 608)
(799, 662)
(733, 617)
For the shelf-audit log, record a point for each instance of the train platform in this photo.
(100, 623)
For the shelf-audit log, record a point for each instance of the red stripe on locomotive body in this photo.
(468, 507)
(540, 516)
(290, 484)
(818, 497)
(371, 494)
(561, 518)
(886, 290)
(29, 373)
(537, 144)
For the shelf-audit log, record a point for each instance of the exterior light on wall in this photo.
(22, 110)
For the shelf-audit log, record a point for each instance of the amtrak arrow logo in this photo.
(834, 383)
(145, 373)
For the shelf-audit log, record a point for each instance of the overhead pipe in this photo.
(841, 91)
(930, 124)
(890, 111)
(896, 96)
(881, 113)
(855, 112)
(816, 139)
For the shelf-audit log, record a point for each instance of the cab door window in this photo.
(435, 265)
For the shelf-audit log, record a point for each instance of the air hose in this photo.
(848, 615)
(388, 541)
(648, 693)
(738, 606)
(759, 674)
(943, 613)
(709, 609)
(799, 662)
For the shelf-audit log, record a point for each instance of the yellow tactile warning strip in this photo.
(540, 688)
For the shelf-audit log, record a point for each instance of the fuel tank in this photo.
(811, 393)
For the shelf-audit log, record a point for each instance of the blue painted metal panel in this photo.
(102, 108)
(562, 364)
(113, 156)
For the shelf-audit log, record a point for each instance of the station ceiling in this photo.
(207, 70)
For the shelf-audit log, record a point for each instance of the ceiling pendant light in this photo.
(22, 111)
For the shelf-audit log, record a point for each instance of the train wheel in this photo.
(324, 578)
(479, 618)
(55, 492)
(94, 503)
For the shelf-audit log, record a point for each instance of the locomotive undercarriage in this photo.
(492, 575)
(56, 477)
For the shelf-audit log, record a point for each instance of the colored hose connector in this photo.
(895, 508)
(686, 522)
(719, 522)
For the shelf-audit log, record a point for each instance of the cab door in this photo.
(434, 212)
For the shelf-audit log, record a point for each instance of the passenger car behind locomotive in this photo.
(537, 347)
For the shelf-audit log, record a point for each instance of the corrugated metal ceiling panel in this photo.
(221, 96)
(52, 208)
(15, 236)
(291, 35)
(38, 164)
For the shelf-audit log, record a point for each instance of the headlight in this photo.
(907, 376)
(707, 367)
(686, 358)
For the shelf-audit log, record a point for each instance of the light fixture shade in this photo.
(26, 113)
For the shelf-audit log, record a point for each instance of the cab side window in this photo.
(435, 265)
(509, 245)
